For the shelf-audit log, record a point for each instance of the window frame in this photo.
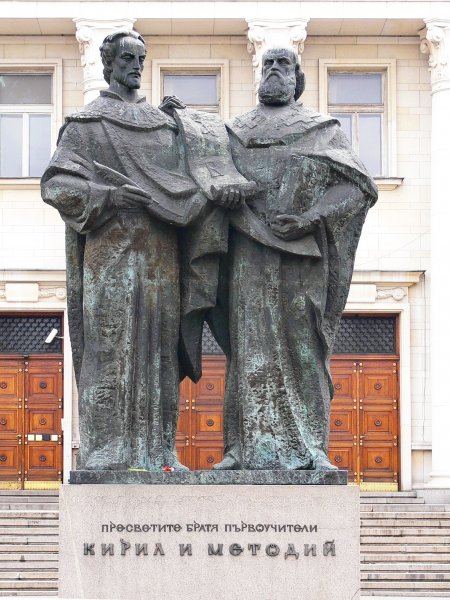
(37, 66)
(205, 66)
(388, 133)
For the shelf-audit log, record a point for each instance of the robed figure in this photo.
(284, 305)
(122, 265)
(122, 184)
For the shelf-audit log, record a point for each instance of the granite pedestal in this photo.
(269, 541)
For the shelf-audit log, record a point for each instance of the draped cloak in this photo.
(123, 277)
(275, 311)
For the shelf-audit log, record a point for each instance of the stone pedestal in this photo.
(227, 542)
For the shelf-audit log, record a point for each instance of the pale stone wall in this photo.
(233, 48)
(32, 234)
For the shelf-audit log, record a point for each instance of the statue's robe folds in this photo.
(123, 278)
(284, 309)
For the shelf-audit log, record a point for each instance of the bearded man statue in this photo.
(284, 305)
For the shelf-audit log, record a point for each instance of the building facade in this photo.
(384, 69)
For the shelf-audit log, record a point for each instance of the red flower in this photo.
(168, 469)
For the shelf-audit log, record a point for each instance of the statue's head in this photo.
(123, 54)
(282, 80)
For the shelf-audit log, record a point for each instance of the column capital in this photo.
(90, 34)
(274, 33)
(435, 41)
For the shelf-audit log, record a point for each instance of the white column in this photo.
(274, 33)
(90, 34)
(436, 42)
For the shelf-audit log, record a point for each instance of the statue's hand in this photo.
(169, 103)
(292, 227)
(233, 196)
(129, 196)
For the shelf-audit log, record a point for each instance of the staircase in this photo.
(29, 543)
(405, 546)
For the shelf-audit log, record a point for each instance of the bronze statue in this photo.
(164, 233)
(284, 307)
(120, 182)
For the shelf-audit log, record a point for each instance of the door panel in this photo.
(206, 455)
(9, 420)
(344, 456)
(379, 461)
(343, 422)
(10, 460)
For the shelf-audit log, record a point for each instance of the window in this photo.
(26, 109)
(361, 94)
(357, 100)
(202, 84)
(197, 90)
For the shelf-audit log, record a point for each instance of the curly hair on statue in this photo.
(108, 49)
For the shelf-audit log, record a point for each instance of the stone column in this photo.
(436, 42)
(90, 34)
(274, 33)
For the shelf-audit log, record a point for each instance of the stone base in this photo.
(228, 542)
(211, 477)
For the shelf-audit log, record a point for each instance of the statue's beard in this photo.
(276, 88)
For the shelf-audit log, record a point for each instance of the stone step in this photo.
(404, 540)
(405, 531)
(32, 531)
(406, 514)
(27, 557)
(406, 585)
(29, 514)
(402, 519)
(18, 506)
(401, 593)
(405, 576)
(25, 575)
(36, 584)
(410, 557)
(393, 500)
(401, 566)
(408, 548)
(388, 495)
(34, 565)
(426, 508)
(30, 539)
(28, 522)
(28, 594)
(24, 547)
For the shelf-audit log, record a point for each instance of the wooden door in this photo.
(363, 422)
(200, 425)
(31, 410)
(364, 427)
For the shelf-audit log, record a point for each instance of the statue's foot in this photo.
(322, 463)
(229, 463)
(171, 460)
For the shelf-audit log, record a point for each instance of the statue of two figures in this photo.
(174, 219)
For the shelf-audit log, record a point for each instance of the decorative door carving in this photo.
(31, 409)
